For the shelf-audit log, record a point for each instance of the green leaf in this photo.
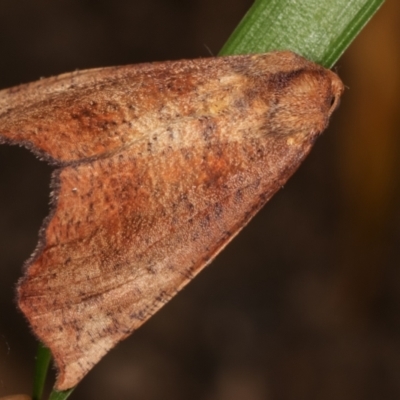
(56, 395)
(43, 357)
(319, 30)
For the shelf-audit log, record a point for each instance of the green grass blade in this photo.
(320, 30)
(43, 357)
(56, 395)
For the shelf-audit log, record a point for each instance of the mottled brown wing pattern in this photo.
(160, 166)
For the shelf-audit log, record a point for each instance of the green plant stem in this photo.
(56, 395)
(43, 357)
(319, 30)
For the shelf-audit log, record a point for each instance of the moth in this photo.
(157, 168)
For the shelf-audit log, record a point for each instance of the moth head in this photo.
(303, 101)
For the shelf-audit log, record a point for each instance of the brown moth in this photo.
(159, 166)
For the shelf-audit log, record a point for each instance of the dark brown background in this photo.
(305, 303)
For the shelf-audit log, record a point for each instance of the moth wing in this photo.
(92, 113)
(100, 275)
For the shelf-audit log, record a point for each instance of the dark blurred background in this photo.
(305, 303)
